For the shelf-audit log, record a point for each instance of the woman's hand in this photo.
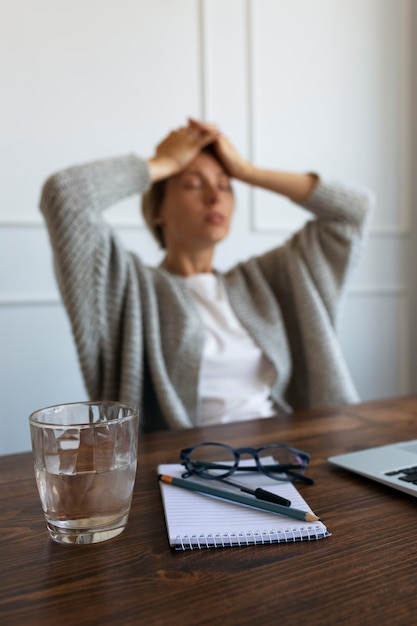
(179, 148)
(232, 161)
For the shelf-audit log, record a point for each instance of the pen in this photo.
(261, 494)
(239, 499)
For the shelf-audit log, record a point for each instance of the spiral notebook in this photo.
(196, 521)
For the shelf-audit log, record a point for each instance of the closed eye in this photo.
(193, 182)
(224, 183)
(193, 186)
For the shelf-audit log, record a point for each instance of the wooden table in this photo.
(363, 574)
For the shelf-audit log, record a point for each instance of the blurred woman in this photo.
(188, 344)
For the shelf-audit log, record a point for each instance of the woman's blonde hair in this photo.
(153, 198)
(151, 204)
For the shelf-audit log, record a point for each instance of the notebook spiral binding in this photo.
(289, 535)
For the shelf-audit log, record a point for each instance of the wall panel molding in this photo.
(137, 224)
(30, 299)
(376, 291)
(38, 223)
(376, 231)
(201, 28)
(21, 221)
(39, 299)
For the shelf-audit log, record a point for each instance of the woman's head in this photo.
(192, 208)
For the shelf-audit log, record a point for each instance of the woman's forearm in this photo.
(95, 186)
(296, 187)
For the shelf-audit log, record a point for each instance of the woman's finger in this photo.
(201, 136)
(204, 126)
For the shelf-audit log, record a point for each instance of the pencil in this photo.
(306, 516)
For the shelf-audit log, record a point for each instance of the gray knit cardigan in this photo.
(138, 334)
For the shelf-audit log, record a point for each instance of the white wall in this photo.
(296, 84)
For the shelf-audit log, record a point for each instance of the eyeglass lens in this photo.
(213, 460)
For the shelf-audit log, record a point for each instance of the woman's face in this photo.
(197, 207)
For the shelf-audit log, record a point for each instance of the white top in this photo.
(235, 377)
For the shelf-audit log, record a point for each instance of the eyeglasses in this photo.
(218, 461)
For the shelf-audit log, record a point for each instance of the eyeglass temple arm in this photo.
(244, 468)
(277, 467)
(302, 477)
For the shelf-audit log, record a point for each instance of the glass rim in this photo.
(35, 421)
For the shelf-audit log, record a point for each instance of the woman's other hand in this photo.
(295, 186)
(179, 148)
(235, 165)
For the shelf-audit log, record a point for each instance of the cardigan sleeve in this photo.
(91, 264)
(321, 254)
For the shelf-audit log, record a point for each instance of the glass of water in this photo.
(85, 458)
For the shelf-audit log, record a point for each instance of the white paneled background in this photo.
(324, 85)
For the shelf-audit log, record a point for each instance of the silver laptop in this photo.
(394, 465)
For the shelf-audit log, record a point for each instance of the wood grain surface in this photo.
(363, 574)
